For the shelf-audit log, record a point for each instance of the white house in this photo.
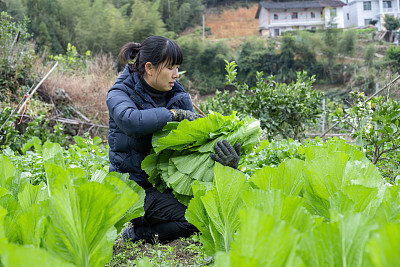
(276, 17)
(361, 12)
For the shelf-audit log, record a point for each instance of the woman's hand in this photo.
(181, 114)
(226, 154)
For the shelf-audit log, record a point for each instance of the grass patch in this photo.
(179, 252)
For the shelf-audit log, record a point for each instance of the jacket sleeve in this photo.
(132, 121)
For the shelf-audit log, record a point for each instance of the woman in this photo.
(144, 98)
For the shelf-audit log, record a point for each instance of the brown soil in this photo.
(230, 23)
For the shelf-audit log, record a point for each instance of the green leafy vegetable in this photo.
(338, 243)
(181, 151)
(69, 220)
(83, 218)
(384, 247)
(216, 212)
(15, 255)
(263, 241)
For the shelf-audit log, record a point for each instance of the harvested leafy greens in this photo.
(181, 150)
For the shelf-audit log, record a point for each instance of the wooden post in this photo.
(323, 115)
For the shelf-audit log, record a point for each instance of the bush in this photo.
(392, 57)
(14, 135)
(72, 61)
(255, 56)
(203, 63)
(16, 59)
(369, 55)
(283, 109)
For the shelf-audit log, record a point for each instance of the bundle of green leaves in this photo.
(181, 150)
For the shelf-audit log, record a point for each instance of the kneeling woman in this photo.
(144, 98)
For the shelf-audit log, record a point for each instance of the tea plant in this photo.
(375, 125)
(283, 109)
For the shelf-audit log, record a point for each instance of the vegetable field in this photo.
(292, 204)
(70, 213)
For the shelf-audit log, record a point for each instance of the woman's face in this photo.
(161, 79)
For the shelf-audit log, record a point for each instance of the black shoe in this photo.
(129, 235)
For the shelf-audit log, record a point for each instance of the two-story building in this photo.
(359, 13)
(276, 17)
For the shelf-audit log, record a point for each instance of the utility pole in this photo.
(169, 9)
(203, 26)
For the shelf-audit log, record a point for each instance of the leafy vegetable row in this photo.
(71, 219)
(331, 209)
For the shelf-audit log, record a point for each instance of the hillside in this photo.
(233, 22)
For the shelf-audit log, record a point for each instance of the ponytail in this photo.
(129, 54)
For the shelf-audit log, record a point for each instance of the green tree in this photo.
(287, 69)
(44, 37)
(347, 44)
(179, 14)
(391, 24)
(369, 55)
(203, 63)
(14, 8)
(255, 56)
(145, 20)
(306, 54)
(118, 33)
(93, 26)
(46, 12)
(330, 50)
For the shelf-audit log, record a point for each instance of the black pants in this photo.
(164, 216)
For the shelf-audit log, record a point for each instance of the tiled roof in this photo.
(302, 4)
(298, 4)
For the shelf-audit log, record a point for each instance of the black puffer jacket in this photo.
(134, 117)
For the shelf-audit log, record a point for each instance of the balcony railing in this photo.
(390, 10)
(295, 22)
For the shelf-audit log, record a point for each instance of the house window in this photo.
(348, 16)
(333, 12)
(367, 22)
(312, 15)
(276, 32)
(294, 15)
(367, 5)
(275, 16)
(387, 4)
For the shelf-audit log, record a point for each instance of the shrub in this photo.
(283, 109)
(14, 136)
(72, 61)
(203, 63)
(392, 57)
(16, 59)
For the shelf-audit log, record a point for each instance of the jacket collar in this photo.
(138, 87)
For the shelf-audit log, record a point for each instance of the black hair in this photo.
(155, 49)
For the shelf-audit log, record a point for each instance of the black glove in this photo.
(181, 114)
(226, 155)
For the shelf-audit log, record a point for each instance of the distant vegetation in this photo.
(334, 56)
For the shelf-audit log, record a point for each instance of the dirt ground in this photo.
(234, 22)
